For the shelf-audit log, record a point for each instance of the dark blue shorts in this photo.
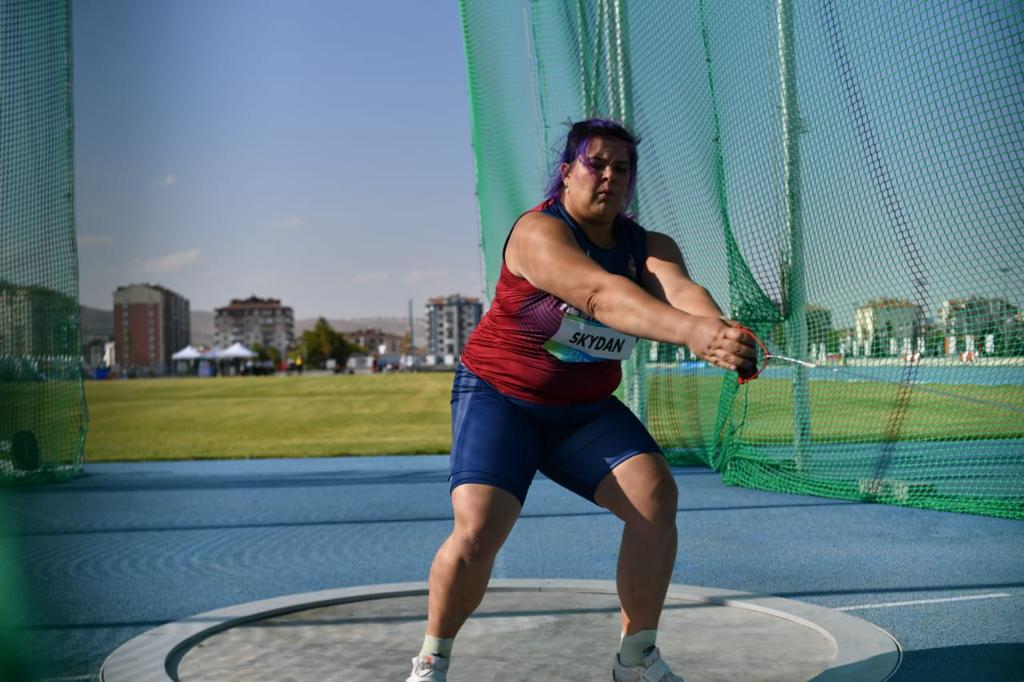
(503, 442)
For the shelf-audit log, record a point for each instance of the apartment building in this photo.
(151, 322)
(376, 341)
(450, 320)
(252, 321)
(887, 325)
(37, 322)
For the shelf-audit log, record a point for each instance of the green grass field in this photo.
(268, 417)
(409, 414)
(841, 412)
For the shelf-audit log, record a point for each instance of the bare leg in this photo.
(642, 492)
(484, 517)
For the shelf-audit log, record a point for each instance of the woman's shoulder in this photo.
(537, 219)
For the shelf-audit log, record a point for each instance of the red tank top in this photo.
(533, 346)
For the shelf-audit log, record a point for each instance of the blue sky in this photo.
(319, 151)
(310, 150)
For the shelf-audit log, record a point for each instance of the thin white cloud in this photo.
(170, 179)
(370, 277)
(95, 239)
(172, 261)
(293, 221)
(418, 276)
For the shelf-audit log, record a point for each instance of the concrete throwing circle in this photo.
(523, 630)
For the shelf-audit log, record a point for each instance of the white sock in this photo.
(634, 646)
(437, 647)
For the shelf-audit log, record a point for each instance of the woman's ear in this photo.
(564, 171)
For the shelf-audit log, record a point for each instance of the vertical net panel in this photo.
(909, 122)
(845, 180)
(42, 403)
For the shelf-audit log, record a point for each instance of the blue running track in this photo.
(128, 547)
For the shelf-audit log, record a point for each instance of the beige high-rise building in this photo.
(252, 321)
(450, 321)
(882, 324)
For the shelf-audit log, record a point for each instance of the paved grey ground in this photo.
(524, 630)
(127, 548)
(556, 636)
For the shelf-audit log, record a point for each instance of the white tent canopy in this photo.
(235, 350)
(187, 353)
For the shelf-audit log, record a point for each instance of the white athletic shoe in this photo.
(429, 669)
(653, 669)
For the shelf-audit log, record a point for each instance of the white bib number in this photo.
(581, 340)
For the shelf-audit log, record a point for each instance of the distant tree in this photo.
(273, 354)
(267, 353)
(819, 324)
(778, 335)
(323, 343)
(999, 342)
(667, 352)
(835, 338)
(880, 340)
(934, 340)
(878, 344)
(1014, 342)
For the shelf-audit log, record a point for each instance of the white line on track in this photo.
(891, 604)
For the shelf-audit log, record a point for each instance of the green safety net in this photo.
(42, 403)
(844, 178)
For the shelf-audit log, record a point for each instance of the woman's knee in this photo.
(646, 494)
(484, 516)
(476, 544)
(661, 502)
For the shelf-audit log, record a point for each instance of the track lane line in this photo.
(915, 602)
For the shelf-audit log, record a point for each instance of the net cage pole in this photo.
(585, 63)
(613, 31)
(795, 294)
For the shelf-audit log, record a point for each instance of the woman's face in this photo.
(598, 192)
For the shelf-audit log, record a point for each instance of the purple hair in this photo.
(580, 135)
